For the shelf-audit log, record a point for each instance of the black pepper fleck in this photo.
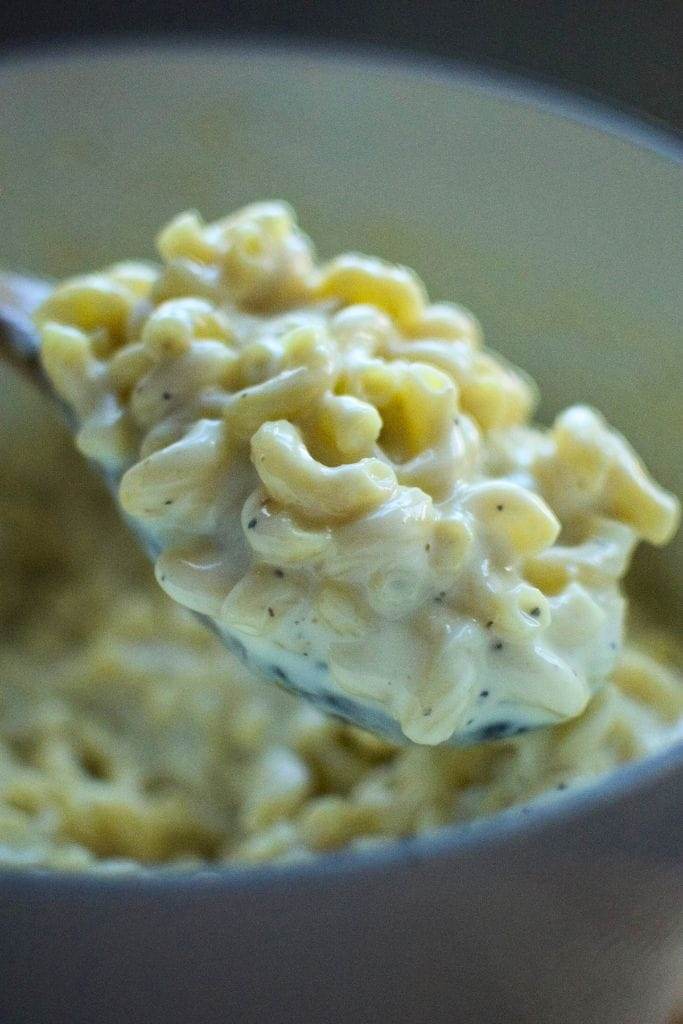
(500, 508)
(169, 501)
(279, 573)
(484, 693)
(497, 645)
(489, 623)
(322, 666)
(251, 525)
(167, 396)
(535, 612)
(271, 613)
(428, 547)
(562, 785)
(427, 712)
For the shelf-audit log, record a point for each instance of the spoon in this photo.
(20, 348)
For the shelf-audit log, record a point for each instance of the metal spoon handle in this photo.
(19, 347)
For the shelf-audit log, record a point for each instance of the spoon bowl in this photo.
(20, 348)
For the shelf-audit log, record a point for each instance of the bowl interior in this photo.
(559, 235)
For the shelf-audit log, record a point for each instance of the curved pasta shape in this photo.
(417, 402)
(304, 377)
(171, 328)
(175, 383)
(94, 302)
(137, 277)
(362, 329)
(518, 610)
(67, 358)
(601, 556)
(354, 278)
(178, 483)
(187, 278)
(491, 391)
(608, 475)
(127, 366)
(513, 516)
(495, 394)
(277, 538)
(258, 602)
(342, 612)
(437, 469)
(195, 575)
(293, 477)
(343, 428)
(186, 237)
(448, 321)
(108, 435)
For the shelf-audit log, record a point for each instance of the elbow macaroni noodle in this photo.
(300, 436)
(129, 735)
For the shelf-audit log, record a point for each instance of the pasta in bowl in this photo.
(339, 475)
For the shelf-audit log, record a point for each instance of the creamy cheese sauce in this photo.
(337, 473)
(130, 736)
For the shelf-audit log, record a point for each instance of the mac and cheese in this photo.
(129, 735)
(335, 470)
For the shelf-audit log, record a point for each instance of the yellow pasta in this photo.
(305, 374)
(513, 516)
(608, 474)
(108, 435)
(276, 537)
(361, 279)
(68, 360)
(173, 384)
(441, 557)
(171, 327)
(95, 302)
(129, 736)
(417, 403)
(186, 238)
(178, 480)
(448, 321)
(126, 367)
(342, 429)
(297, 481)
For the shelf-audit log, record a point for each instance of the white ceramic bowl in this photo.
(557, 223)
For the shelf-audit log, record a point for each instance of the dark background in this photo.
(627, 52)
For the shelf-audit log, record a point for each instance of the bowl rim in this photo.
(445, 842)
(520, 823)
(603, 115)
